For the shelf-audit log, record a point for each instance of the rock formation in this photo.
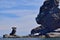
(13, 31)
(12, 34)
(48, 17)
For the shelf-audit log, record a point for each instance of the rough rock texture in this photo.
(48, 17)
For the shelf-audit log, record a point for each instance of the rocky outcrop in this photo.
(49, 17)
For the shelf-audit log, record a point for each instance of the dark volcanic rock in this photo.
(48, 17)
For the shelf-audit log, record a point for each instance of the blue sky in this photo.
(19, 13)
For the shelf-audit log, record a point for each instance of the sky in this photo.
(19, 13)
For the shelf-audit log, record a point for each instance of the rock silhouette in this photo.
(13, 31)
(12, 34)
(48, 17)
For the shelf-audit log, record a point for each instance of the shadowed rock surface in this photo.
(48, 17)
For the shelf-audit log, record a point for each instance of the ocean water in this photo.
(29, 38)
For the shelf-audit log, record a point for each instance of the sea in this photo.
(29, 38)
